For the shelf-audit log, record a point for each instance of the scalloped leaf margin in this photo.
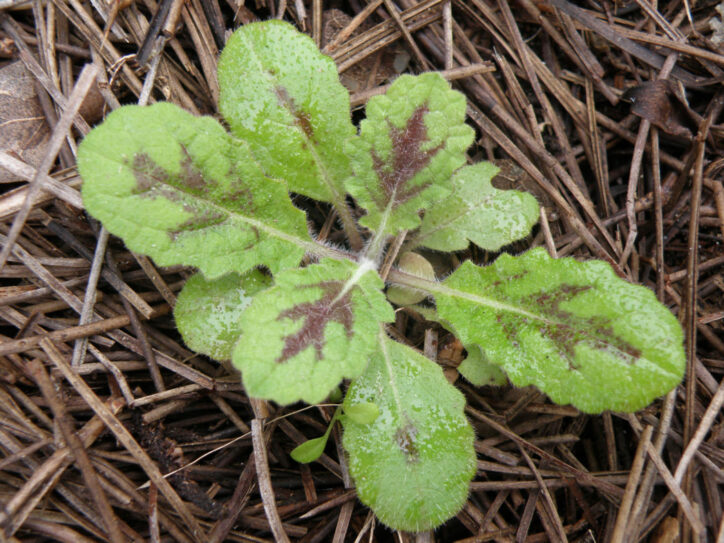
(413, 139)
(414, 463)
(208, 312)
(280, 94)
(573, 329)
(316, 326)
(478, 212)
(180, 189)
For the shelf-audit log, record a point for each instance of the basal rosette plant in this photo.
(184, 190)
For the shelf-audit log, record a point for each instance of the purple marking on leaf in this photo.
(567, 329)
(191, 176)
(565, 339)
(149, 175)
(499, 282)
(552, 300)
(239, 196)
(317, 315)
(405, 438)
(407, 160)
(202, 219)
(153, 181)
(301, 118)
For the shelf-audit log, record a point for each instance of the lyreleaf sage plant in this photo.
(298, 316)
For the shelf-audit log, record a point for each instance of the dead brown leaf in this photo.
(667, 531)
(657, 102)
(24, 132)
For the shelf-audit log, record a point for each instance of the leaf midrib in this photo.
(435, 287)
(438, 288)
(307, 246)
(311, 147)
(388, 366)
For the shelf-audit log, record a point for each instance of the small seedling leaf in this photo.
(336, 395)
(413, 264)
(414, 463)
(573, 329)
(310, 450)
(477, 369)
(208, 312)
(362, 413)
(413, 139)
(314, 327)
(478, 212)
(279, 93)
(180, 189)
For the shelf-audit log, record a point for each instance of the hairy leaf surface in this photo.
(478, 212)
(413, 464)
(208, 312)
(180, 189)
(313, 328)
(573, 329)
(413, 139)
(279, 93)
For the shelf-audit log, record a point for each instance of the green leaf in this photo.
(414, 463)
(336, 395)
(573, 329)
(478, 212)
(279, 93)
(310, 450)
(477, 369)
(363, 413)
(413, 139)
(313, 328)
(413, 264)
(428, 313)
(180, 189)
(208, 313)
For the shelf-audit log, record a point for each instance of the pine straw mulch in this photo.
(608, 113)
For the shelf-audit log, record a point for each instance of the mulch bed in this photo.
(608, 112)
